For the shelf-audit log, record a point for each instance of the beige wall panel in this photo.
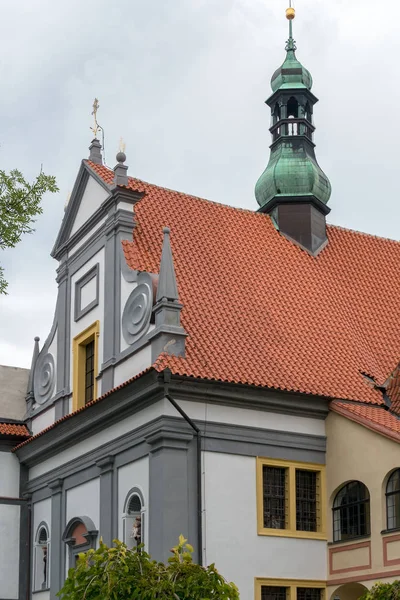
(354, 452)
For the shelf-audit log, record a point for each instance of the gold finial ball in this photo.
(290, 13)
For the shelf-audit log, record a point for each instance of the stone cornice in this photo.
(250, 397)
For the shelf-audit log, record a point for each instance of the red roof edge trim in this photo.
(79, 410)
(364, 421)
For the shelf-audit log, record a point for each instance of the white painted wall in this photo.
(84, 501)
(92, 198)
(96, 314)
(9, 475)
(43, 420)
(9, 551)
(133, 365)
(42, 595)
(230, 530)
(135, 474)
(125, 206)
(109, 433)
(41, 513)
(88, 293)
(248, 418)
(85, 238)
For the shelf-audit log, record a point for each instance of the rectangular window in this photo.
(85, 366)
(291, 499)
(306, 500)
(89, 372)
(271, 592)
(275, 494)
(289, 589)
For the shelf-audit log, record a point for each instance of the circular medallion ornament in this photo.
(44, 378)
(137, 313)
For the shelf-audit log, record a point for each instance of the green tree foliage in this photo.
(19, 207)
(120, 574)
(383, 591)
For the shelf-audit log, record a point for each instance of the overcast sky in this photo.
(184, 83)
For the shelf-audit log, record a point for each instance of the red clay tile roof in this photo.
(373, 417)
(14, 430)
(261, 311)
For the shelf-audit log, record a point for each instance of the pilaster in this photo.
(57, 564)
(107, 507)
(172, 509)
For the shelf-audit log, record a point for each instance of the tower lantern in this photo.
(293, 189)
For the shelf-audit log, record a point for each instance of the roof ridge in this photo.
(363, 233)
(238, 208)
(193, 196)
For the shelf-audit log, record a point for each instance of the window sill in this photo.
(40, 591)
(387, 531)
(350, 540)
(308, 535)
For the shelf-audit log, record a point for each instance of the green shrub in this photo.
(120, 574)
(383, 591)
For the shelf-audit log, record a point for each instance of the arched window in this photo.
(80, 535)
(308, 112)
(276, 114)
(351, 517)
(393, 500)
(293, 108)
(41, 558)
(134, 518)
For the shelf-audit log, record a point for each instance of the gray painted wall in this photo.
(13, 386)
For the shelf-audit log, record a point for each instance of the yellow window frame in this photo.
(290, 500)
(80, 342)
(290, 584)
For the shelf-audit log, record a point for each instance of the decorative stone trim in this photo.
(91, 274)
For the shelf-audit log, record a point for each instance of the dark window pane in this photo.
(309, 594)
(394, 482)
(134, 506)
(274, 497)
(270, 592)
(306, 500)
(393, 500)
(351, 516)
(89, 372)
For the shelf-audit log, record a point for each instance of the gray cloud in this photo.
(184, 82)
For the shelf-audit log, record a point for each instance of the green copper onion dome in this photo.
(292, 172)
(291, 74)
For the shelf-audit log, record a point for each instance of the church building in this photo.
(230, 375)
